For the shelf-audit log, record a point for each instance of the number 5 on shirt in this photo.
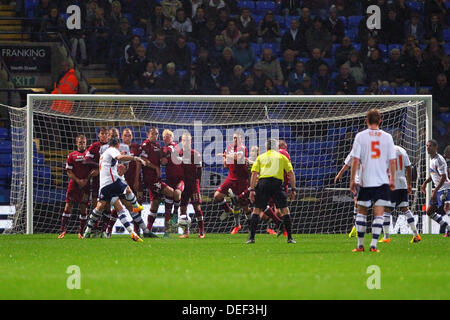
(375, 146)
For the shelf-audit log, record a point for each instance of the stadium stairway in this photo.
(98, 78)
(7, 24)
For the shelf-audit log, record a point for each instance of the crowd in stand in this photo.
(296, 47)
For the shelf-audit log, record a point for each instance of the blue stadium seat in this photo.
(38, 158)
(139, 32)
(304, 60)
(5, 146)
(281, 21)
(406, 90)
(6, 172)
(384, 50)
(445, 117)
(353, 21)
(5, 160)
(145, 44)
(274, 46)
(352, 34)
(129, 17)
(361, 89)
(447, 35)
(394, 46)
(344, 21)
(181, 73)
(31, 4)
(64, 16)
(288, 20)
(263, 6)
(334, 47)
(193, 48)
(415, 6)
(247, 4)
(447, 48)
(356, 46)
(329, 61)
(4, 133)
(256, 48)
(282, 89)
(388, 88)
(258, 18)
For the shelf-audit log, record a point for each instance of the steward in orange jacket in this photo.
(66, 84)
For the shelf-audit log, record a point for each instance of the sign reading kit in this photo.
(27, 59)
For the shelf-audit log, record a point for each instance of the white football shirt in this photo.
(374, 149)
(108, 167)
(348, 162)
(438, 167)
(122, 147)
(402, 160)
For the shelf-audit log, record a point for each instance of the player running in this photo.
(192, 172)
(174, 178)
(373, 150)
(399, 197)
(234, 158)
(347, 164)
(112, 187)
(79, 184)
(441, 193)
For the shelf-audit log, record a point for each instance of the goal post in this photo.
(318, 129)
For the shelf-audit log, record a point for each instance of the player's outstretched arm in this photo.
(340, 173)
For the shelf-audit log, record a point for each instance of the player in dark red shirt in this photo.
(235, 159)
(174, 177)
(152, 153)
(78, 188)
(192, 172)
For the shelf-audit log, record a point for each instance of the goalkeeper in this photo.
(268, 173)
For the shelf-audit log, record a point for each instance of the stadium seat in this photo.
(31, 4)
(388, 88)
(445, 117)
(139, 32)
(38, 158)
(447, 48)
(384, 50)
(5, 160)
(256, 48)
(263, 6)
(258, 18)
(447, 35)
(357, 46)
(406, 90)
(288, 20)
(344, 21)
(281, 21)
(6, 172)
(304, 60)
(193, 48)
(4, 133)
(352, 34)
(394, 46)
(5, 146)
(415, 6)
(353, 21)
(247, 4)
(181, 73)
(329, 61)
(361, 89)
(274, 46)
(145, 44)
(129, 17)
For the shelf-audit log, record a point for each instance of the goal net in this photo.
(318, 130)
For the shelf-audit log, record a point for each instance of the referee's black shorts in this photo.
(270, 188)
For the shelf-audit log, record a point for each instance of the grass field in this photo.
(222, 267)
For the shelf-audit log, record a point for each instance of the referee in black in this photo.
(267, 182)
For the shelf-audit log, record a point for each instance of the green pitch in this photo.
(222, 267)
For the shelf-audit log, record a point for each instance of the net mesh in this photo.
(319, 135)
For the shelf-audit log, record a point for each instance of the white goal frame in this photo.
(31, 98)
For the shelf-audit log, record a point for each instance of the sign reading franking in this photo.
(27, 59)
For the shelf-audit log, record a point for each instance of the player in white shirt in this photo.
(441, 193)
(347, 164)
(112, 187)
(399, 196)
(373, 151)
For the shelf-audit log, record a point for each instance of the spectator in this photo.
(305, 22)
(373, 89)
(322, 81)
(319, 37)
(434, 52)
(306, 86)
(142, 11)
(226, 61)
(207, 35)
(269, 88)
(222, 19)
(296, 77)
(441, 96)
(136, 67)
(231, 34)
(168, 81)
(356, 68)
(271, 67)
(434, 29)
(343, 51)
(249, 86)
(216, 51)
(232, 6)
(376, 69)
(182, 24)
(259, 77)
(181, 53)
(115, 17)
(42, 10)
(344, 82)
(414, 27)
(170, 8)
(399, 71)
(203, 61)
(370, 46)
(237, 80)
(170, 32)
(365, 33)
(247, 25)
(292, 40)
(119, 40)
(317, 7)
(421, 70)
(77, 40)
(130, 48)
(392, 31)
(67, 83)
(268, 29)
(287, 63)
(445, 66)
(99, 37)
(291, 7)
(191, 81)
(312, 66)
(225, 91)
(409, 46)
(147, 80)
(191, 7)
(156, 20)
(435, 7)
(244, 55)
(53, 26)
(213, 6)
(198, 22)
(158, 51)
(335, 26)
(91, 8)
(213, 81)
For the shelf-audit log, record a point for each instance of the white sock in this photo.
(377, 226)
(361, 226)
(411, 222)
(386, 224)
